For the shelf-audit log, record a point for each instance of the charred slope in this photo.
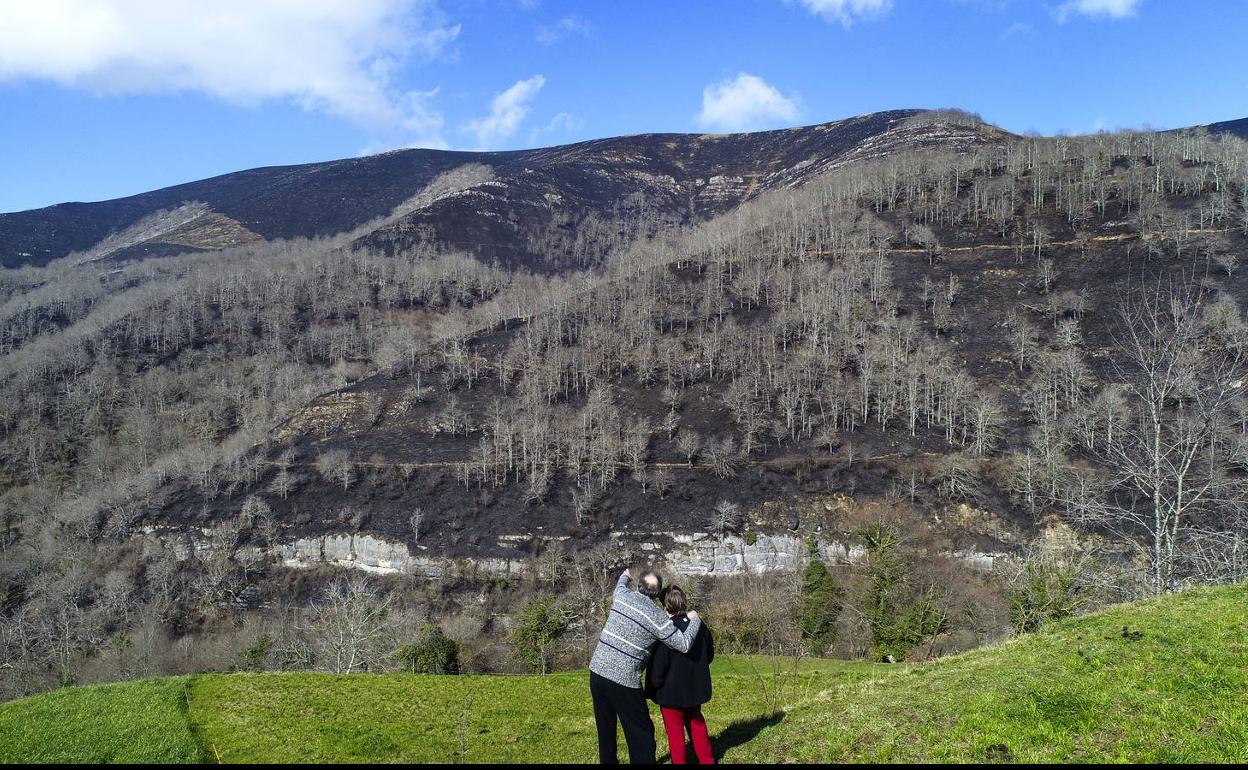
(901, 328)
(546, 208)
(1233, 127)
(279, 202)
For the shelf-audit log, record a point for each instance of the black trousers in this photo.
(612, 701)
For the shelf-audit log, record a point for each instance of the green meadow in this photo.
(1172, 688)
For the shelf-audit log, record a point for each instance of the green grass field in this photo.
(144, 721)
(1077, 691)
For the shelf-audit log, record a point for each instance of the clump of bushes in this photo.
(1047, 591)
(538, 627)
(899, 620)
(433, 652)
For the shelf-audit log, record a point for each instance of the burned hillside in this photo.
(939, 327)
(910, 330)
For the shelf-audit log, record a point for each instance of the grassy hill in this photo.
(1079, 690)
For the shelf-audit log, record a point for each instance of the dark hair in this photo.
(674, 601)
(650, 584)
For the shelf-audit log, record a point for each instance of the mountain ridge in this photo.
(1237, 127)
(657, 180)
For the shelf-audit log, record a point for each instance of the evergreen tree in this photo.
(539, 625)
(819, 607)
(898, 623)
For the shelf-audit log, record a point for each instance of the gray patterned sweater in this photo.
(634, 624)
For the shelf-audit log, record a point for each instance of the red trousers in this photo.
(675, 722)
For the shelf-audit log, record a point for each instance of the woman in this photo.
(680, 682)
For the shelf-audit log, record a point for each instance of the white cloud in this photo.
(421, 127)
(744, 102)
(1111, 9)
(507, 110)
(563, 123)
(568, 25)
(1017, 28)
(847, 11)
(324, 55)
(422, 122)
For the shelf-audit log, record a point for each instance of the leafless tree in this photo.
(689, 443)
(349, 625)
(1168, 462)
(1047, 274)
(721, 455)
(415, 521)
(725, 518)
(335, 465)
(663, 481)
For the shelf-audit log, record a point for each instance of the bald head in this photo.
(650, 584)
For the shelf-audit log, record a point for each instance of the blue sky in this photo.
(104, 98)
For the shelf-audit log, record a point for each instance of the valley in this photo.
(909, 346)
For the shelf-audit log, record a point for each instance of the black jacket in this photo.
(682, 679)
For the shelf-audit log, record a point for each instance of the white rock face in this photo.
(984, 562)
(703, 554)
(358, 551)
(695, 554)
(372, 554)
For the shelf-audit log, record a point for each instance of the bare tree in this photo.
(689, 443)
(335, 465)
(415, 521)
(987, 417)
(284, 482)
(1228, 261)
(1023, 338)
(663, 481)
(722, 456)
(1167, 464)
(1047, 274)
(349, 624)
(725, 518)
(584, 503)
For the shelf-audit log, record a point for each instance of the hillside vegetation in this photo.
(1162, 680)
(908, 334)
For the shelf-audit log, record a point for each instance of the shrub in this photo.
(1047, 592)
(898, 623)
(740, 630)
(433, 652)
(538, 626)
(754, 614)
(922, 619)
(254, 656)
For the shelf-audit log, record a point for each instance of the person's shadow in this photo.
(742, 731)
(735, 734)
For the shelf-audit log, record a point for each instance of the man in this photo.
(633, 625)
